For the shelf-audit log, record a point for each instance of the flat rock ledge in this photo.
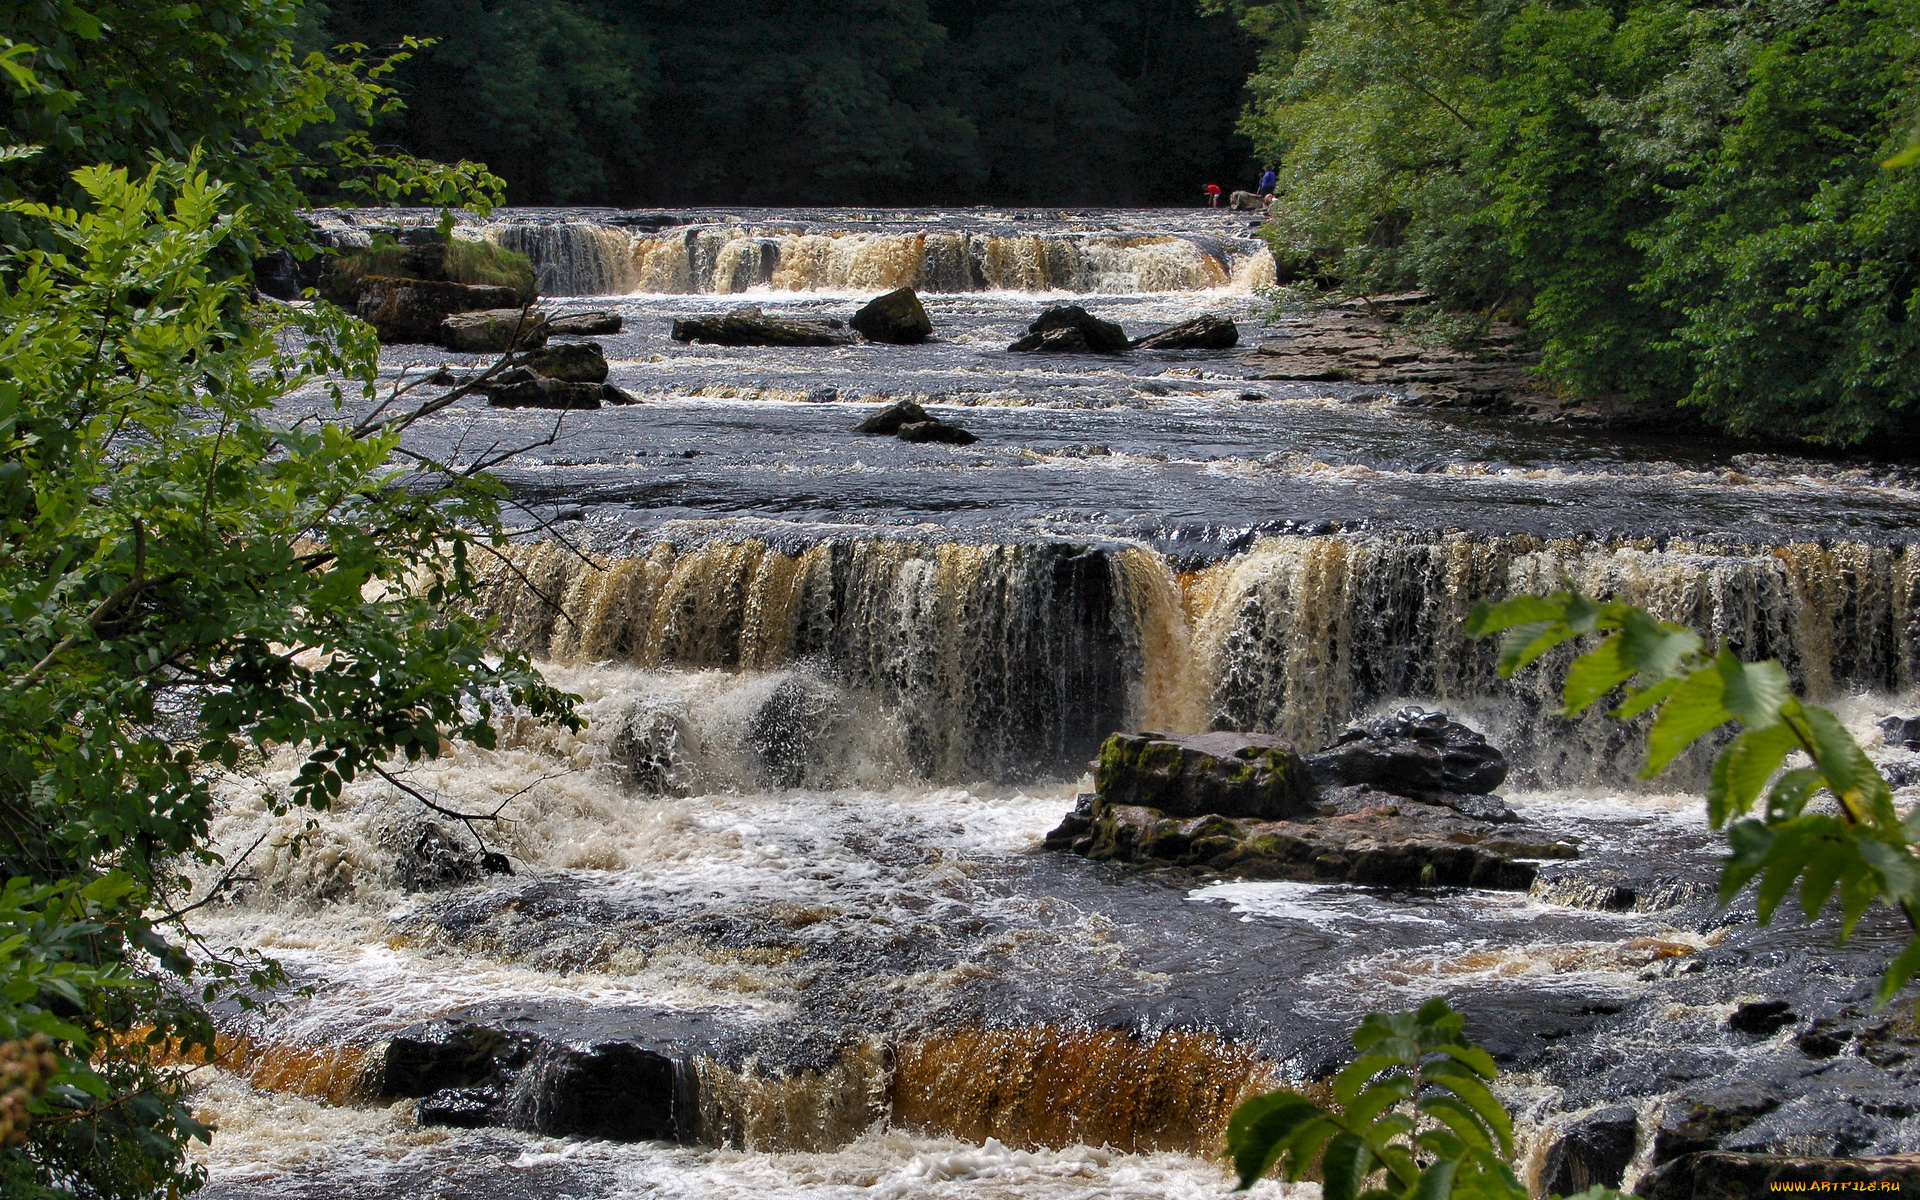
(1250, 805)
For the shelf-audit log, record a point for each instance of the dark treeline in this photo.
(649, 102)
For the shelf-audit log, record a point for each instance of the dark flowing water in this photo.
(840, 686)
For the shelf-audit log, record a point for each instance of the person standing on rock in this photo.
(1268, 179)
(1213, 195)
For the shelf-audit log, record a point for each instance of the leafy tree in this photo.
(121, 81)
(1684, 203)
(189, 578)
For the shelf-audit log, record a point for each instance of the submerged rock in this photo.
(897, 317)
(569, 362)
(889, 419)
(586, 324)
(750, 327)
(1069, 328)
(414, 310)
(1207, 332)
(493, 330)
(790, 725)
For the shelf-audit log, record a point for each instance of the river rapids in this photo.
(839, 687)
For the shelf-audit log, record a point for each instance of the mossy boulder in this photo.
(492, 331)
(1191, 775)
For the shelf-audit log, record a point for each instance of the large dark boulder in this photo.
(1191, 775)
(413, 310)
(1596, 1149)
(615, 1083)
(1202, 333)
(492, 330)
(1411, 753)
(1095, 335)
(897, 317)
(1903, 732)
(1699, 1120)
(569, 362)
(751, 327)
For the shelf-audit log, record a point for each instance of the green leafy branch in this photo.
(1767, 780)
(1414, 1109)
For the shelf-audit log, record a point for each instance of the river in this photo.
(841, 686)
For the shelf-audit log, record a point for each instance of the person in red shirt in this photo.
(1213, 195)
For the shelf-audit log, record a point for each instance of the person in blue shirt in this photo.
(1268, 180)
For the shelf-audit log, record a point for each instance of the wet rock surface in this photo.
(1594, 1150)
(909, 422)
(898, 318)
(436, 857)
(749, 326)
(540, 392)
(1903, 732)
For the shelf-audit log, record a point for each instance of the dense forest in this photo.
(1685, 202)
(648, 102)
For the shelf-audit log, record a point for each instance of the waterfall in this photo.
(578, 258)
(1014, 660)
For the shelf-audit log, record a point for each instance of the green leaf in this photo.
(1260, 1129)
(1344, 1167)
(1690, 713)
(1849, 773)
(1436, 1182)
(1744, 768)
(1464, 1121)
(1898, 972)
(1753, 692)
(1466, 1084)
(1353, 1078)
(1593, 675)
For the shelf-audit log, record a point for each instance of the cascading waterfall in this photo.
(1004, 661)
(579, 258)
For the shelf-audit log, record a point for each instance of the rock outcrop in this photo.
(492, 330)
(1596, 1149)
(1246, 202)
(1071, 329)
(1207, 332)
(523, 389)
(897, 317)
(750, 327)
(935, 431)
(414, 310)
(569, 362)
(1375, 808)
